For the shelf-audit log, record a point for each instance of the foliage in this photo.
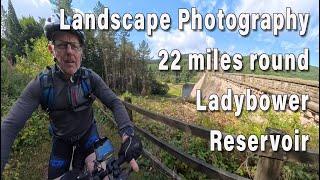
(34, 133)
(12, 82)
(92, 53)
(113, 56)
(182, 76)
(292, 171)
(240, 163)
(13, 33)
(31, 148)
(175, 90)
(3, 22)
(159, 88)
(31, 29)
(144, 51)
(62, 4)
(17, 32)
(36, 59)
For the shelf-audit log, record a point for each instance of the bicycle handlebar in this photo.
(112, 166)
(104, 153)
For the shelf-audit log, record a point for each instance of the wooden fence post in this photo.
(269, 168)
(128, 100)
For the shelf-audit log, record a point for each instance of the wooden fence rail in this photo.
(310, 157)
(269, 165)
(195, 163)
(164, 169)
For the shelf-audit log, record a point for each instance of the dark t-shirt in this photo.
(66, 123)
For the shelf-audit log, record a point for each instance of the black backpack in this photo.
(48, 92)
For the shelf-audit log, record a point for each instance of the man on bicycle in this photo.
(66, 91)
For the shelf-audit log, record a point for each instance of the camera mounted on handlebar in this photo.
(104, 153)
(103, 149)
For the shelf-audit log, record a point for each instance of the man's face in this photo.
(68, 51)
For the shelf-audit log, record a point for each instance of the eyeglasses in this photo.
(63, 45)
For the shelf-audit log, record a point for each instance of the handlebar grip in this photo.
(114, 166)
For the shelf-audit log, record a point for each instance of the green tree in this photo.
(4, 42)
(62, 4)
(3, 22)
(36, 59)
(13, 30)
(31, 29)
(123, 61)
(107, 47)
(144, 73)
(92, 53)
(144, 51)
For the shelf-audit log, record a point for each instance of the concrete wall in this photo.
(276, 85)
(218, 83)
(186, 90)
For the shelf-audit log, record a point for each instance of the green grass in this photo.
(29, 163)
(31, 150)
(174, 90)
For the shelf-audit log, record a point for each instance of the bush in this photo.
(36, 58)
(12, 82)
(158, 88)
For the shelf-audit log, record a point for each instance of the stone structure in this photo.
(260, 84)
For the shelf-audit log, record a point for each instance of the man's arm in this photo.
(109, 98)
(132, 146)
(17, 117)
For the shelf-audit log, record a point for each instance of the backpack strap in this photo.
(47, 90)
(85, 81)
(85, 97)
(48, 93)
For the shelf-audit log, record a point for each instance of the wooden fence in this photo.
(269, 164)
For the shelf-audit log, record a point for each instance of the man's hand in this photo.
(133, 162)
